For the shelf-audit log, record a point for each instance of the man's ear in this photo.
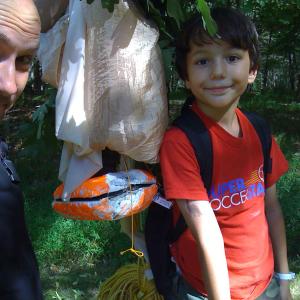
(252, 76)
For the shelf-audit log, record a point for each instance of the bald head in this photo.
(20, 15)
(19, 39)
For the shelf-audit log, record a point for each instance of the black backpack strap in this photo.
(159, 229)
(7, 164)
(199, 137)
(157, 226)
(264, 133)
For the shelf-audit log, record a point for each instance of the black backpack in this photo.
(159, 229)
(7, 164)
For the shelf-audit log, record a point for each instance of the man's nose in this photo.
(218, 69)
(8, 84)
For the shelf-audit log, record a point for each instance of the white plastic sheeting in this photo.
(111, 91)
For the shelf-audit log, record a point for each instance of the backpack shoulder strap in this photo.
(264, 133)
(199, 137)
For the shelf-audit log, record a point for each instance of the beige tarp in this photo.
(111, 90)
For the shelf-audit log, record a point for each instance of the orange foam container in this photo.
(108, 197)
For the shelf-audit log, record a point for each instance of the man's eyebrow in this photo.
(5, 40)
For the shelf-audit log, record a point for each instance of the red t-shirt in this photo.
(237, 197)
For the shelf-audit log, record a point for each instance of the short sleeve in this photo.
(180, 169)
(279, 164)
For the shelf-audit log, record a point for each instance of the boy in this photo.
(236, 231)
(19, 39)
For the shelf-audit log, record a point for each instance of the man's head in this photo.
(19, 38)
(234, 28)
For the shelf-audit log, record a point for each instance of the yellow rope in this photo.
(131, 249)
(129, 283)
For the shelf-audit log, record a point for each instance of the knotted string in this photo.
(131, 249)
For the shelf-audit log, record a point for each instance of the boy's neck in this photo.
(225, 116)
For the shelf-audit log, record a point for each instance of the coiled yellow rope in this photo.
(129, 283)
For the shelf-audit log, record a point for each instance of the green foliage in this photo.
(174, 10)
(284, 118)
(277, 107)
(37, 132)
(289, 194)
(208, 22)
(39, 116)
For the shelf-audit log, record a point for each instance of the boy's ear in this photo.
(187, 84)
(252, 76)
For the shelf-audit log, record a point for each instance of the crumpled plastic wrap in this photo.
(50, 55)
(111, 91)
(124, 84)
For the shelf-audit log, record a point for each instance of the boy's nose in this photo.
(8, 84)
(218, 69)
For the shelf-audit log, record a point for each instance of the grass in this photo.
(78, 282)
(295, 285)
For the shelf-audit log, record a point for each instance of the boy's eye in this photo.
(202, 62)
(233, 58)
(23, 63)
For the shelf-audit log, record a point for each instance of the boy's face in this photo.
(19, 39)
(218, 74)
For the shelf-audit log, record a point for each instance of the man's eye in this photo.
(24, 62)
(202, 62)
(233, 58)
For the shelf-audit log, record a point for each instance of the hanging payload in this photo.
(108, 197)
(111, 87)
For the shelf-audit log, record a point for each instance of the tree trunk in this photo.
(292, 70)
(298, 87)
(266, 67)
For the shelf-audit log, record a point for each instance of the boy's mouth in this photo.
(218, 89)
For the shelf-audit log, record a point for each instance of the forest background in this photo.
(76, 256)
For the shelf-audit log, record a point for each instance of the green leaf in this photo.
(39, 115)
(208, 22)
(174, 10)
(160, 22)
